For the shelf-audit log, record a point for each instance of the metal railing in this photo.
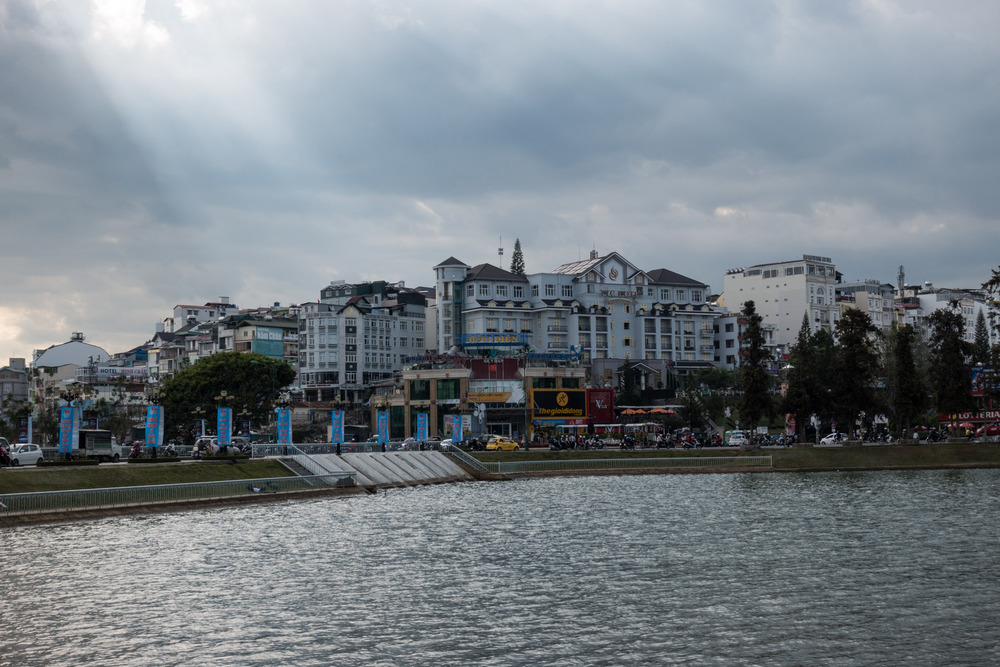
(132, 496)
(503, 467)
(464, 457)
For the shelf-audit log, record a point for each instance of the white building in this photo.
(783, 292)
(601, 308)
(355, 337)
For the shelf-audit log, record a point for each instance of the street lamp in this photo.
(272, 371)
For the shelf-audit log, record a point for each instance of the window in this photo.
(583, 324)
(470, 325)
(525, 326)
(696, 296)
(491, 324)
(484, 290)
(502, 291)
(730, 327)
(534, 290)
(550, 290)
(681, 295)
(508, 325)
(567, 290)
(518, 291)
(584, 340)
(627, 341)
(448, 389)
(664, 295)
(470, 291)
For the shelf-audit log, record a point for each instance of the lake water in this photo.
(764, 569)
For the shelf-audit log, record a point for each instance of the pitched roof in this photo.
(667, 277)
(451, 261)
(490, 272)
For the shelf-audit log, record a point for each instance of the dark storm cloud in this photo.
(259, 149)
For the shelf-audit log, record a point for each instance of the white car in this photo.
(737, 440)
(833, 439)
(25, 455)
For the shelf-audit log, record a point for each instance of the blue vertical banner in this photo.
(224, 430)
(69, 425)
(383, 427)
(337, 427)
(154, 426)
(456, 428)
(24, 430)
(284, 426)
(421, 427)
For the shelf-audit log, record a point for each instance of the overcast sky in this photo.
(174, 151)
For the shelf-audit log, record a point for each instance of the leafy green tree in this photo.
(755, 382)
(717, 379)
(517, 259)
(804, 393)
(905, 392)
(11, 413)
(252, 383)
(950, 371)
(855, 369)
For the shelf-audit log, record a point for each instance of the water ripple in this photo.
(822, 569)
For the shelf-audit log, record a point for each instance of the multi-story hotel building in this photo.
(355, 337)
(602, 310)
(783, 291)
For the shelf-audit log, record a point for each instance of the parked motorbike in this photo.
(136, 451)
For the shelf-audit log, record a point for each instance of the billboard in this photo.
(492, 339)
(601, 405)
(269, 341)
(559, 403)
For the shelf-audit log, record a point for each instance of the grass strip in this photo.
(30, 480)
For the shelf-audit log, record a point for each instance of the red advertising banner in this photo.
(601, 406)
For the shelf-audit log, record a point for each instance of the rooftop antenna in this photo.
(500, 249)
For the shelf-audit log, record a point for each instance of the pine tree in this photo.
(755, 383)
(517, 259)
(949, 360)
(981, 344)
(855, 369)
(905, 392)
(803, 394)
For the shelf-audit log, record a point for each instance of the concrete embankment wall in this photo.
(387, 469)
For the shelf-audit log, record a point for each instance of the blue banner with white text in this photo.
(337, 426)
(284, 426)
(154, 426)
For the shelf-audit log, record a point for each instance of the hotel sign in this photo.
(629, 294)
(492, 339)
